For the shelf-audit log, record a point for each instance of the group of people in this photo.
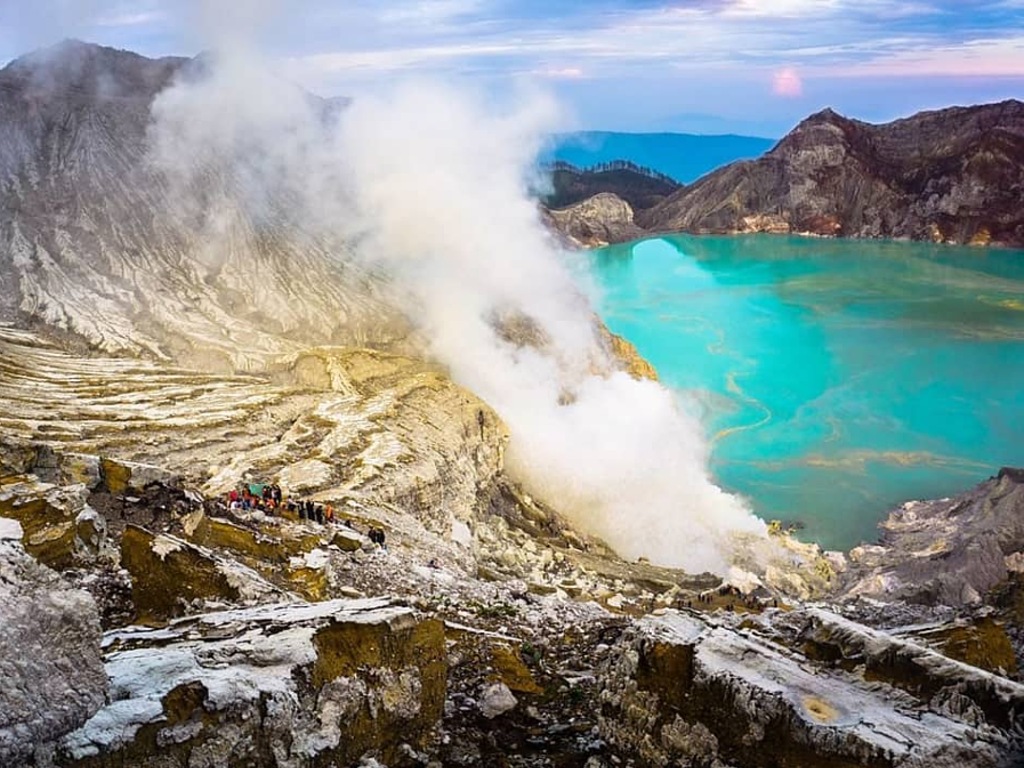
(269, 499)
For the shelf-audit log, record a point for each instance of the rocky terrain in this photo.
(145, 622)
(952, 176)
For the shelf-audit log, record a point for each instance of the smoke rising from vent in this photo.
(428, 184)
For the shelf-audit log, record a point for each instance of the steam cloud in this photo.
(430, 184)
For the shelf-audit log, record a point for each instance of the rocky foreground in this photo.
(949, 176)
(146, 624)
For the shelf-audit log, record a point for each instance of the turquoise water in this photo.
(835, 379)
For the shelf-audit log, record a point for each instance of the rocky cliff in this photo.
(954, 175)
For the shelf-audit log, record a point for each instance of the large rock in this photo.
(945, 552)
(50, 666)
(284, 685)
(684, 691)
(602, 219)
(58, 527)
(171, 577)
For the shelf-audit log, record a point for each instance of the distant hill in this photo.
(638, 186)
(684, 157)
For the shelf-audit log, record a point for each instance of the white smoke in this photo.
(430, 183)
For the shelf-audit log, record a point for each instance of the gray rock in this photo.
(944, 552)
(496, 699)
(680, 689)
(601, 219)
(50, 667)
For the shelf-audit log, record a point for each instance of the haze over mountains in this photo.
(684, 157)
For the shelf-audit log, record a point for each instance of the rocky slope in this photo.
(95, 242)
(148, 366)
(954, 175)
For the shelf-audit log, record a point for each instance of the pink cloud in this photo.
(787, 83)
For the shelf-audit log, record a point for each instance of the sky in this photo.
(752, 67)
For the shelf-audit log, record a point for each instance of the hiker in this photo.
(329, 513)
(319, 513)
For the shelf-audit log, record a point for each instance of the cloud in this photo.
(787, 83)
(560, 73)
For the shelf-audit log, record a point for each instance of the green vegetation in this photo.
(638, 185)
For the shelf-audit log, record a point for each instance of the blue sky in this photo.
(745, 66)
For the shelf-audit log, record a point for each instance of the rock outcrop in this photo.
(282, 685)
(682, 691)
(50, 665)
(945, 552)
(954, 175)
(602, 219)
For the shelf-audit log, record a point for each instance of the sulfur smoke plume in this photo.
(428, 185)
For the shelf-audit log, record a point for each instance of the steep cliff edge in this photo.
(953, 175)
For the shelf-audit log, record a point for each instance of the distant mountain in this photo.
(953, 175)
(682, 156)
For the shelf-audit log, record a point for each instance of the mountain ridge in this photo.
(953, 175)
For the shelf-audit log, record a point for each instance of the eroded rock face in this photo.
(171, 576)
(602, 219)
(50, 666)
(284, 685)
(681, 690)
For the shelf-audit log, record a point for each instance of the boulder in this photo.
(51, 518)
(496, 699)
